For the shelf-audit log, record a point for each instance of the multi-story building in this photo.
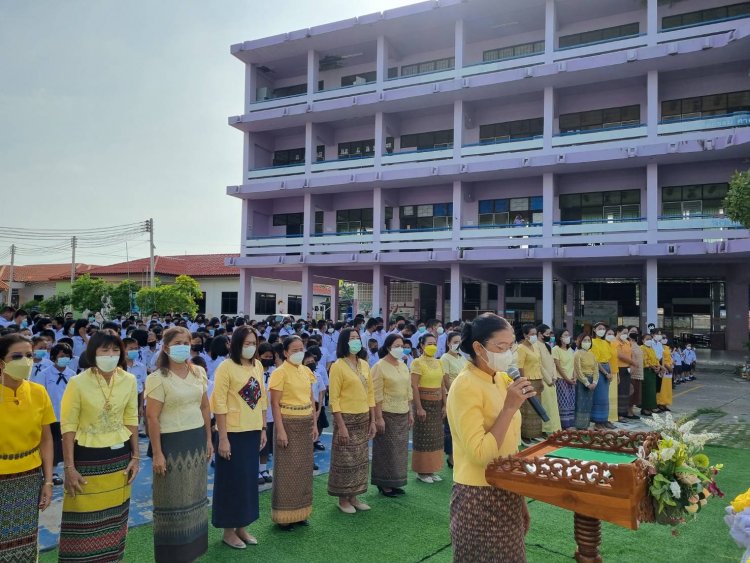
(570, 157)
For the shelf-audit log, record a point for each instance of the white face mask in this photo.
(624, 337)
(689, 347)
(586, 345)
(610, 338)
(533, 339)
(297, 358)
(454, 347)
(601, 332)
(649, 343)
(565, 340)
(397, 353)
(107, 363)
(499, 361)
(248, 351)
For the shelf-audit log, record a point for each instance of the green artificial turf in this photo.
(414, 528)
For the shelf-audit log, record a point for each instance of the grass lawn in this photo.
(415, 528)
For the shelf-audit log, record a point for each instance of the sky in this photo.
(114, 112)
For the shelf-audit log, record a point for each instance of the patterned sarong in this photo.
(292, 497)
(427, 456)
(584, 400)
(350, 463)
(19, 515)
(566, 402)
(600, 406)
(531, 424)
(390, 452)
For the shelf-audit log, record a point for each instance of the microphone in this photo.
(514, 374)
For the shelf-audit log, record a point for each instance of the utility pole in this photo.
(10, 275)
(151, 246)
(73, 244)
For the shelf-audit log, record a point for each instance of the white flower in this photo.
(688, 426)
(674, 486)
(666, 454)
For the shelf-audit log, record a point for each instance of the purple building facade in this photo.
(553, 160)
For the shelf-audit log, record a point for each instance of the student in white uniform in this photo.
(137, 369)
(55, 379)
(40, 348)
(268, 360)
(80, 337)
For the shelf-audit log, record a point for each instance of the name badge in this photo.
(117, 446)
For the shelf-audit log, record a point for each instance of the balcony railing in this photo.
(271, 171)
(506, 63)
(613, 133)
(435, 153)
(502, 145)
(680, 125)
(343, 163)
(705, 22)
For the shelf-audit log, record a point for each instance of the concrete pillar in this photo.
(244, 299)
(459, 47)
(310, 152)
(377, 217)
(387, 300)
(251, 85)
(377, 290)
(652, 202)
(549, 117)
(501, 298)
(652, 21)
(652, 292)
(457, 213)
(308, 213)
(248, 155)
(247, 228)
(484, 296)
(313, 62)
(458, 127)
(737, 309)
(570, 306)
(550, 26)
(440, 308)
(456, 292)
(558, 313)
(381, 63)
(334, 314)
(307, 293)
(548, 209)
(547, 293)
(642, 304)
(380, 136)
(652, 104)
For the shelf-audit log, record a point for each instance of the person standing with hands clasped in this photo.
(179, 427)
(99, 424)
(487, 524)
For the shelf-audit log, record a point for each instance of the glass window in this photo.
(519, 204)
(612, 198)
(424, 211)
(593, 198)
(595, 35)
(294, 305)
(407, 211)
(536, 203)
(672, 209)
(671, 194)
(228, 302)
(630, 196)
(692, 192)
(265, 303)
(570, 201)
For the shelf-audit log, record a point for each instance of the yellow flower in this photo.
(701, 460)
(692, 508)
(741, 502)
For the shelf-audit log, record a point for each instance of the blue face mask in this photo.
(179, 353)
(40, 354)
(211, 331)
(132, 354)
(355, 346)
(407, 351)
(421, 330)
(63, 362)
(24, 324)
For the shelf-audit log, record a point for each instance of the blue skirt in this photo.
(235, 503)
(600, 406)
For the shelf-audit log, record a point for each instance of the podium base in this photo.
(588, 534)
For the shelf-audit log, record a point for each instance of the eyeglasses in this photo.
(20, 356)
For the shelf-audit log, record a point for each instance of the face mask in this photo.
(440, 330)
(63, 362)
(179, 353)
(689, 347)
(551, 339)
(400, 327)
(107, 363)
(566, 340)
(211, 331)
(330, 331)
(248, 351)
(197, 347)
(649, 343)
(601, 332)
(397, 353)
(430, 350)
(92, 319)
(297, 358)
(312, 367)
(355, 346)
(454, 347)
(586, 345)
(152, 345)
(24, 324)
(19, 369)
(421, 330)
(407, 351)
(610, 338)
(533, 339)
(132, 355)
(373, 350)
(40, 354)
(634, 335)
(624, 337)
(266, 362)
(71, 331)
(499, 361)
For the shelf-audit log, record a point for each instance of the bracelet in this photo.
(135, 457)
(72, 466)
(49, 484)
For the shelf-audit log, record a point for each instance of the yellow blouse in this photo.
(349, 392)
(547, 363)
(453, 365)
(181, 398)
(295, 384)
(230, 380)
(474, 402)
(530, 361)
(666, 359)
(565, 357)
(83, 408)
(625, 349)
(430, 372)
(649, 357)
(602, 350)
(392, 386)
(22, 414)
(585, 364)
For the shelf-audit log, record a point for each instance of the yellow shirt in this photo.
(565, 357)
(22, 424)
(229, 381)
(547, 363)
(392, 386)
(82, 409)
(602, 350)
(623, 348)
(349, 392)
(181, 398)
(453, 365)
(649, 357)
(295, 384)
(474, 402)
(666, 359)
(530, 361)
(430, 372)
(585, 365)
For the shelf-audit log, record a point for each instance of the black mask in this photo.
(312, 367)
(373, 350)
(197, 347)
(152, 344)
(267, 363)
(400, 327)
(634, 335)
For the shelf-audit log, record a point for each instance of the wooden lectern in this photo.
(594, 490)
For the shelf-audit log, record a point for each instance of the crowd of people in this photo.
(234, 393)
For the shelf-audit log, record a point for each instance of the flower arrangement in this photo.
(683, 477)
(738, 520)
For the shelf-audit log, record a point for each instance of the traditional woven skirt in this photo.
(235, 503)
(549, 402)
(664, 396)
(19, 515)
(635, 391)
(427, 454)
(648, 388)
(95, 522)
(487, 525)
(600, 405)
(531, 424)
(390, 452)
(566, 403)
(350, 463)
(180, 498)
(584, 401)
(613, 415)
(292, 497)
(623, 392)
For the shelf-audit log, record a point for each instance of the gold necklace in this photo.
(107, 399)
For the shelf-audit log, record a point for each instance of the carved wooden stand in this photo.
(588, 534)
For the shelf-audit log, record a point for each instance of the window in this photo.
(292, 222)
(228, 302)
(597, 35)
(523, 50)
(359, 79)
(428, 66)
(286, 91)
(356, 149)
(319, 220)
(511, 130)
(692, 200)
(265, 303)
(294, 157)
(354, 220)
(592, 120)
(431, 216)
(429, 140)
(706, 16)
(39, 298)
(705, 106)
(294, 305)
(615, 205)
(513, 211)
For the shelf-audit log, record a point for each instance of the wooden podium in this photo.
(593, 490)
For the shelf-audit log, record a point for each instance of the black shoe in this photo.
(385, 493)
(267, 477)
(398, 491)
(286, 527)
(646, 413)
(609, 425)
(315, 467)
(302, 523)
(448, 461)
(633, 416)
(56, 480)
(319, 446)
(261, 480)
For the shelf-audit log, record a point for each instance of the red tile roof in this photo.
(37, 273)
(194, 265)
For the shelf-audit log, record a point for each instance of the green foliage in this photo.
(177, 297)
(55, 305)
(88, 293)
(122, 295)
(738, 198)
(32, 305)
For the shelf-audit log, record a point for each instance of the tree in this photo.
(32, 305)
(177, 297)
(88, 293)
(738, 198)
(122, 296)
(56, 305)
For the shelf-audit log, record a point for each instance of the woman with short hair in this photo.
(565, 381)
(529, 360)
(586, 372)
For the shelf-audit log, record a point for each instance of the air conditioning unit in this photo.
(263, 94)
